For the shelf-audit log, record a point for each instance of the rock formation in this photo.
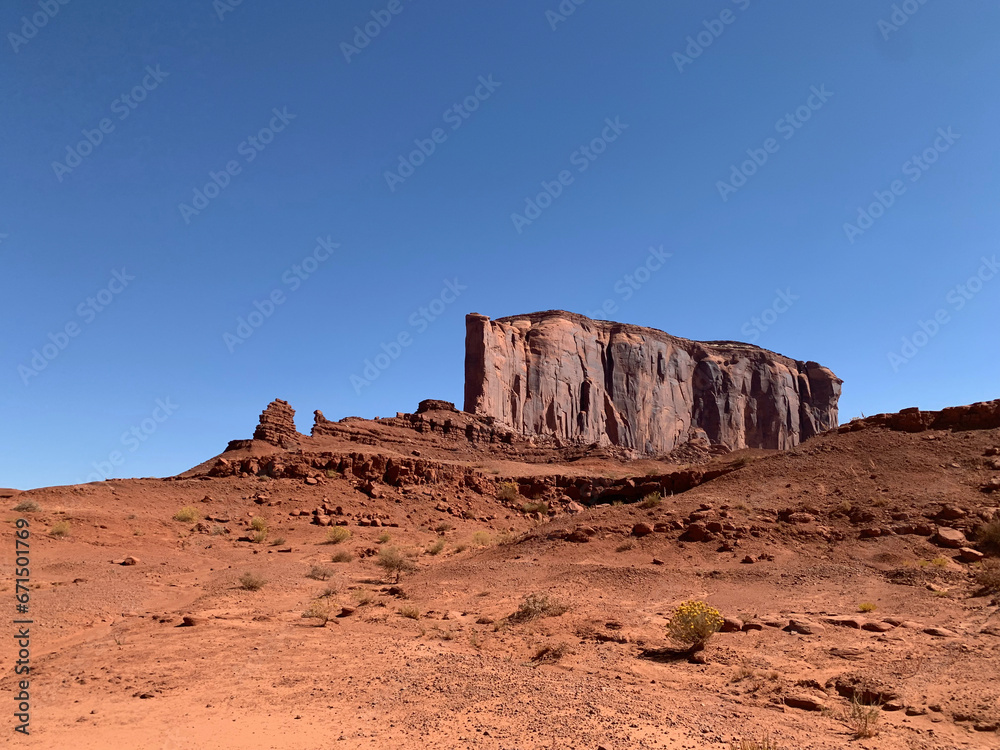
(277, 425)
(579, 380)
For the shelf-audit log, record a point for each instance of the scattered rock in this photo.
(311, 480)
(641, 530)
(130, 560)
(189, 621)
(804, 702)
(752, 625)
(877, 627)
(940, 632)
(845, 622)
(969, 555)
(658, 561)
(346, 611)
(803, 627)
(579, 536)
(951, 538)
(732, 625)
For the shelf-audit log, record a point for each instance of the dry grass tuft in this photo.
(338, 534)
(252, 582)
(535, 606)
(651, 500)
(863, 719)
(60, 529)
(187, 514)
(507, 491)
(27, 506)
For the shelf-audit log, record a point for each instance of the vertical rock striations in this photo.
(591, 381)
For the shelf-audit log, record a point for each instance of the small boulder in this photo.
(731, 625)
(804, 702)
(941, 632)
(642, 529)
(951, 538)
(969, 555)
(803, 627)
(877, 627)
(130, 560)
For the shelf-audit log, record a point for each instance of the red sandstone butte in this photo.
(579, 380)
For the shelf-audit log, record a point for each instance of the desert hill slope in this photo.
(880, 515)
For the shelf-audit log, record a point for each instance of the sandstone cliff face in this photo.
(591, 381)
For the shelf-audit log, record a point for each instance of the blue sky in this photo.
(385, 185)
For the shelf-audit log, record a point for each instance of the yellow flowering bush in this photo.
(693, 623)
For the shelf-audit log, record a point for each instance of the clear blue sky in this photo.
(198, 87)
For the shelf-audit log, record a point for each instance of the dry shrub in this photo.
(252, 582)
(507, 491)
(384, 537)
(342, 556)
(321, 609)
(988, 576)
(319, 573)
(27, 506)
(408, 610)
(988, 538)
(60, 529)
(187, 514)
(550, 653)
(258, 524)
(535, 606)
(338, 534)
(651, 500)
(693, 623)
(394, 562)
(765, 743)
(435, 549)
(259, 537)
(863, 719)
(867, 607)
(535, 507)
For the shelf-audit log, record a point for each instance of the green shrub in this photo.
(507, 491)
(187, 514)
(338, 534)
(693, 623)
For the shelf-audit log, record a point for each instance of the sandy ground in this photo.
(433, 661)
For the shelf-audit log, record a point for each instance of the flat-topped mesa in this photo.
(277, 425)
(592, 381)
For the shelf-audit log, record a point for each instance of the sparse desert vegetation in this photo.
(693, 623)
(252, 581)
(60, 529)
(394, 562)
(27, 506)
(507, 492)
(338, 535)
(187, 514)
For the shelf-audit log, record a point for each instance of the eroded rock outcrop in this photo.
(277, 425)
(591, 381)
